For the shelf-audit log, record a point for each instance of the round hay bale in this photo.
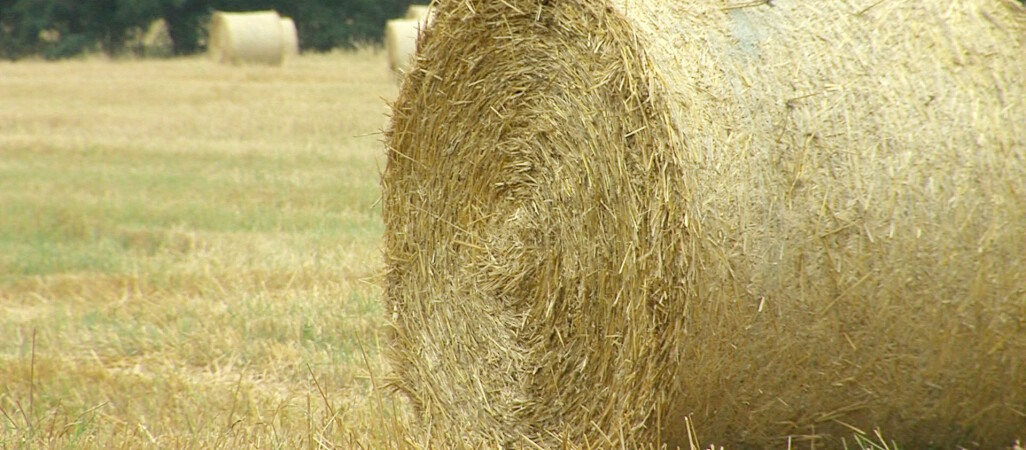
(401, 43)
(418, 12)
(156, 41)
(290, 37)
(249, 37)
(781, 220)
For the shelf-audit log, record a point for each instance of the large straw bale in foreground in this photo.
(780, 220)
(249, 37)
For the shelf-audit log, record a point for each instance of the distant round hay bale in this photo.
(418, 12)
(249, 37)
(779, 220)
(401, 43)
(290, 37)
(156, 41)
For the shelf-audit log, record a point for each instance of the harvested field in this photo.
(776, 222)
(190, 254)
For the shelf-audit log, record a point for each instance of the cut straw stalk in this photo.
(605, 220)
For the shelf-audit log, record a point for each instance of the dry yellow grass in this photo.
(189, 254)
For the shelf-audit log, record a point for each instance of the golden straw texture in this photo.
(250, 37)
(782, 220)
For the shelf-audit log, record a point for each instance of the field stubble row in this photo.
(189, 253)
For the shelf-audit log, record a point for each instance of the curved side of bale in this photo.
(401, 43)
(778, 220)
(250, 37)
(290, 37)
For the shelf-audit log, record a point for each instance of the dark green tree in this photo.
(62, 28)
(21, 25)
(185, 19)
(324, 25)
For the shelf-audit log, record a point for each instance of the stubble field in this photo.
(190, 254)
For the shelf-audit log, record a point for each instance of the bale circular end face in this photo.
(603, 218)
(251, 38)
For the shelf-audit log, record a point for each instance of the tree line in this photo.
(62, 28)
